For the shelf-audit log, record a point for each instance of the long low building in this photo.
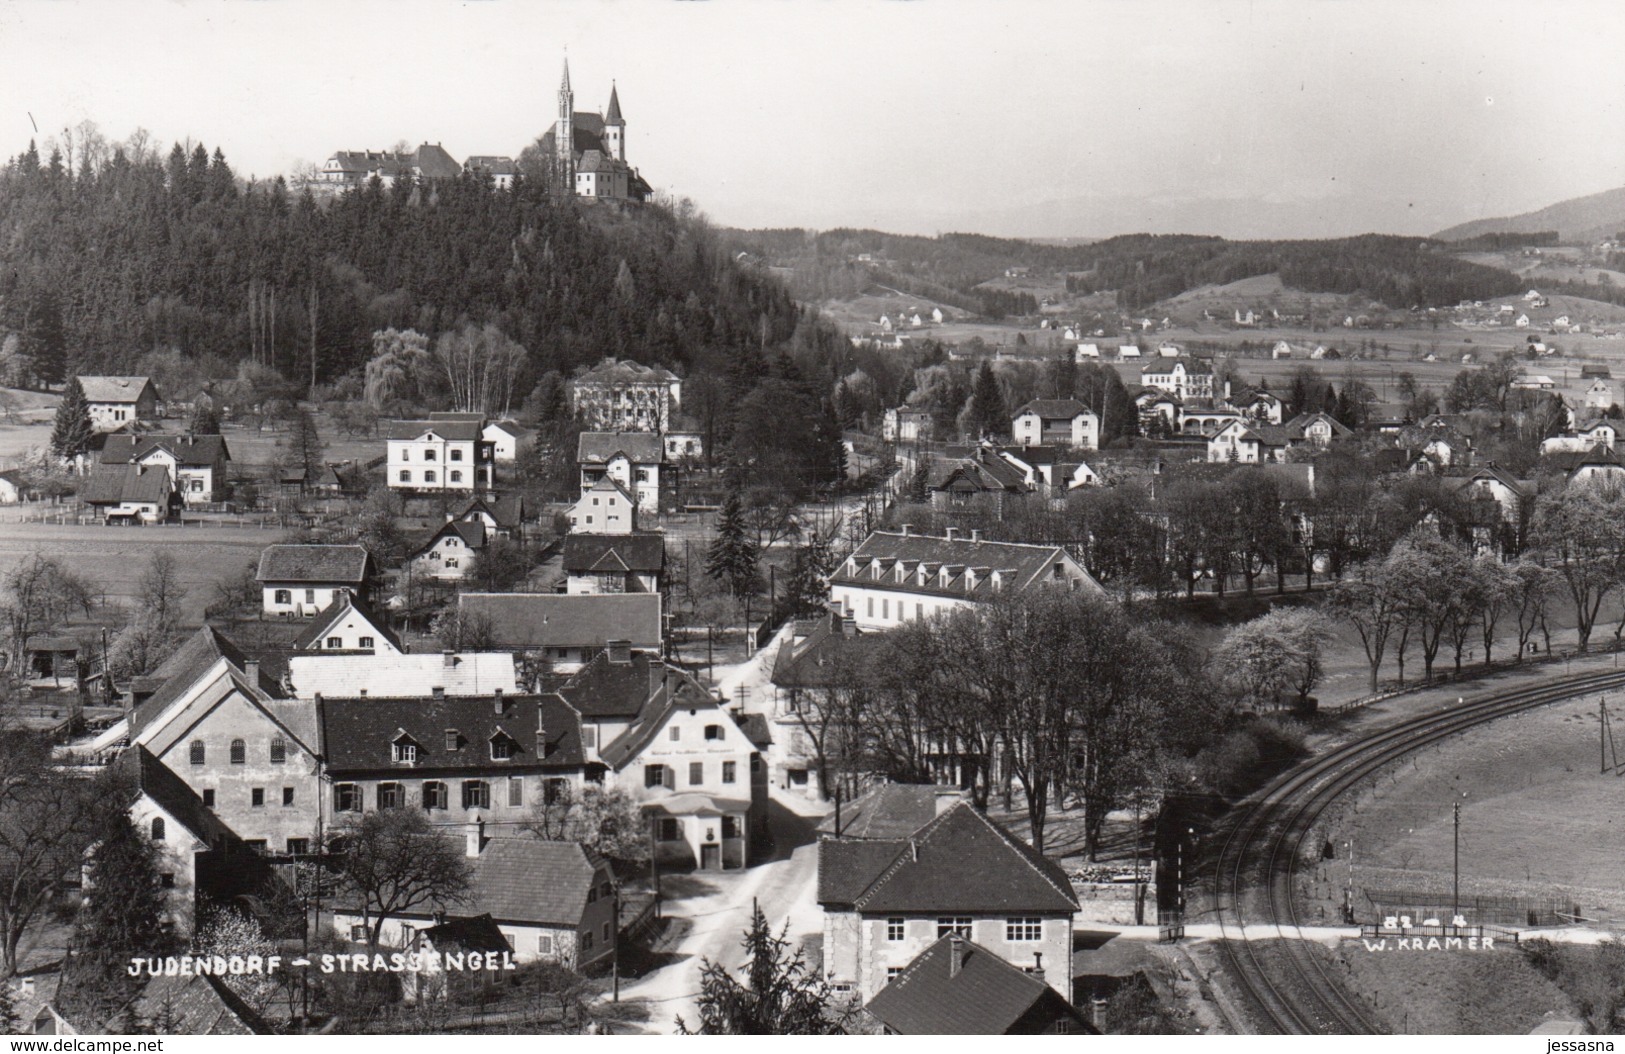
(567, 630)
(898, 577)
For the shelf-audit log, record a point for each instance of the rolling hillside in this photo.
(1578, 220)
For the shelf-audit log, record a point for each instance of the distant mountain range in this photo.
(1588, 219)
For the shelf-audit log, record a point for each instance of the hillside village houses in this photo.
(119, 402)
(447, 453)
(634, 460)
(1056, 422)
(302, 580)
(196, 464)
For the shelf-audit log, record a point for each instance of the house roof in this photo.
(471, 532)
(983, 995)
(315, 631)
(187, 449)
(178, 673)
(145, 774)
(673, 690)
(197, 1005)
(358, 733)
(116, 389)
(458, 430)
(508, 512)
(1599, 455)
(624, 371)
(513, 428)
(640, 448)
(117, 484)
(978, 473)
(1065, 409)
(613, 553)
(1296, 428)
(477, 934)
(346, 674)
(847, 867)
(887, 811)
(927, 871)
(433, 162)
(328, 564)
(823, 657)
(960, 555)
(528, 621)
(1518, 487)
(603, 688)
(495, 164)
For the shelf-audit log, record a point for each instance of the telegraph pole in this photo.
(1455, 885)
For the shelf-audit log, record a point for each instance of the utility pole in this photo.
(1455, 884)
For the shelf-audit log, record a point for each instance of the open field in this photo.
(113, 559)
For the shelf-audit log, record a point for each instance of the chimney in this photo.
(620, 651)
(541, 730)
(956, 954)
(976, 535)
(475, 838)
(251, 671)
(914, 849)
(947, 798)
(438, 691)
(496, 701)
(907, 527)
(448, 659)
(1097, 1014)
(951, 533)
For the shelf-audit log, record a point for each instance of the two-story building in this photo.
(614, 563)
(897, 577)
(625, 396)
(119, 402)
(632, 459)
(196, 464)
(349, 624)
(302, 580)
(439, 456)
(606, 507)
(1056, 422)
(448, 552)
(886, 901)
(1186, 378)
(907, 424)
(502, 517)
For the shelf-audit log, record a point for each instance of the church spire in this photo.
(614, 111)
(564, 85)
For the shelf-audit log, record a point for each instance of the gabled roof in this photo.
(603, 688)
(1296, 427)
(624, 371)
(197, 1005)
(981, 995)
(457, 430)
(531, 621)
(178, 673)
(1599, 455)
(187, 449)
(326, 564)
(118, 484)
(316, 630)
(471, 532)
(116, 389)
(432, 162)
(347, 674)
(640, 448)
(614, 553)
(677, 691)
(478, 934)
(145, 774)
(977, 473)
(509, 512)
(887, 811)
(927, 872)
(823, 657)
(358, 733)
(513, 428)
(1065, 409)
(1029, 564)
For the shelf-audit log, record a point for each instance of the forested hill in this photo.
(98, 268)
(1139, 268)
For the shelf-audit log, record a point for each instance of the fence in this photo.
(1479, 909)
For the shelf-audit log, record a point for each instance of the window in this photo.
(310, 596)
(952, 925)
(456, 475)
(676, 734)
(346, 797)
(892, 972)
(335, 642)
(895, 929)
(589, 736)
(428, 455)
(501, 747)
(366, 642)
(239, 752)
(586, 942)
(1024, 928)
(456, 454)
(871, 607)
(428, 476)
(885, 608)
(287, 797)
(284, 596)
(516, 791)
(406, 752)
(476, 794)
(256, 797)
(358, 932)
(713, 732)
(452, 739)
(298, 846)
(198, 752)
(605, 932)
(544, 944)
(696, 773)
(555, 791)
(671, 830)
(406, 475)
(730, 827)
(1060, 571)
(208, 798)
(729, 770)
(166, 880)
(279, 750)
(157, 828)
(434, 795)
(654, 775)
(391, 796)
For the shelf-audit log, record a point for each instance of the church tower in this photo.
(615, 126)
(564, 137)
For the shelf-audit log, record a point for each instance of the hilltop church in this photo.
(589, 149)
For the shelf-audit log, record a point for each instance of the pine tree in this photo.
(731, 559)
(71, 433)
(780, 995)
(988, 415)
(807, 588)
(305, 447)
(9, 1020)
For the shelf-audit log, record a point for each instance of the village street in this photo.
(709, 912)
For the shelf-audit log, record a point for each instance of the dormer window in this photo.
(453, 740)
(501, 747)
(404, 751)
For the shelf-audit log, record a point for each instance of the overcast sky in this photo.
(1055, 119)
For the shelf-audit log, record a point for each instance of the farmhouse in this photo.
(301, 580)
(893, 578)
(196, 464)
(119, 402)
(131, 494)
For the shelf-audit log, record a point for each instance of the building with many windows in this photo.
(438, 456)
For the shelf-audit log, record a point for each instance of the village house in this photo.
(196, 464)
(349, 624)
(907, 424)
(887, 900)
(1592, 433)
(1600, 396)
(632, 459)
(1246, 444)
(131, 494)
(622, 396)
(957, 987)
(301, 580)
(460, 758)
(502, 517)
(449, 552)
(551, 901)
(1498, 506)
(982, 481)
(342, 675)
(119, 402)
(348, 169)
(1595, 467)
(561, 631)
(605, 508)
(680, 445)
(1056, 422)
(437, 456)
(614, 563)
(894, 578)
(15, 486)
(1154, 401)
(1263, 407)
(501, 169)
(818, 656)
(507, 439)
(1186, 378)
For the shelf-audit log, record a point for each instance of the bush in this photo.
(1248, 755)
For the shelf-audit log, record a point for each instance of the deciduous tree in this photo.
(395, 860)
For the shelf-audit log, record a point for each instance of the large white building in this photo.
(438, 456)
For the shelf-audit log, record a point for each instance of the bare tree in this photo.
(39, 593)
(479, 364)
(393, 861)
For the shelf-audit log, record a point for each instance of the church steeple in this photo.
(614, 111)
(564, 132)
(615, 126)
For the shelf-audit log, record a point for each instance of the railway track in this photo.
(1290, 989)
